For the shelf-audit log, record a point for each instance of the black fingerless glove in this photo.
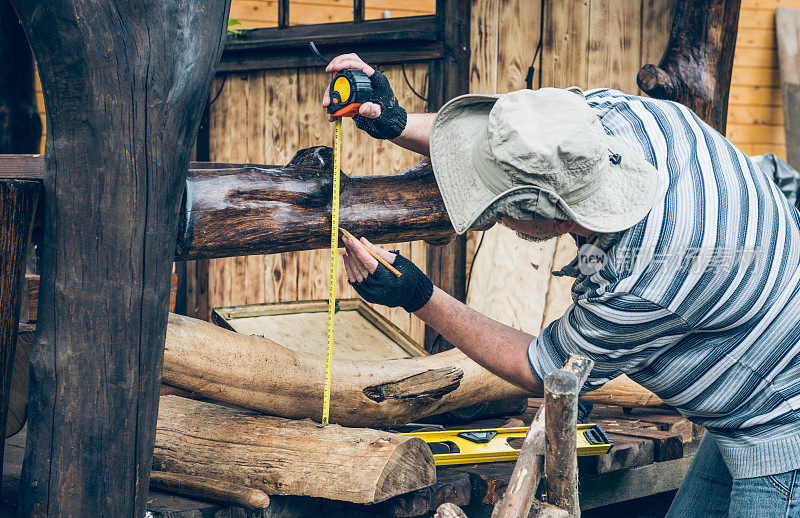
(411, 291)
(392, 120)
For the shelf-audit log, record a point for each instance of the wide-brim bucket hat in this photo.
(546, 146)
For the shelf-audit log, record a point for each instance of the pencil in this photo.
(373, 254)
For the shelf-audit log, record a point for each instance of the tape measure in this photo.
(491, 444)
(348, 90)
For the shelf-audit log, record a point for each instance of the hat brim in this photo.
(626, 192)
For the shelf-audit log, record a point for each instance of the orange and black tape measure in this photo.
(349, 89)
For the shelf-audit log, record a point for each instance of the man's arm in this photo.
(416, 134)
(499, 348)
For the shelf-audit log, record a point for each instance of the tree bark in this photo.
(17, 205)
(561, 445)
(288, 457)
(243, 210)
(20, 125)
(697, 64)
(124, 86)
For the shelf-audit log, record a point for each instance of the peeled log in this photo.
(259, 374)
(286, 457)
(256, 373)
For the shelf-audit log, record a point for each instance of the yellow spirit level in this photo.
(491, 444)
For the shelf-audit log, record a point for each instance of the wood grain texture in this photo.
(18, 200)
(228, 367)
(787, 25)
(615, 31)
(565, 43)
(120, 130)
(288, 457)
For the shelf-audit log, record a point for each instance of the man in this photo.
(687, 280)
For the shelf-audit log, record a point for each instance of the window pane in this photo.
(376, 9)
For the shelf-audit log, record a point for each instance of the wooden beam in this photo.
(120, 125)
(17, 206)
(697, 64)
(288, 457)
(561, 445)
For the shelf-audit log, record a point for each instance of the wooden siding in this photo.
(755, 108)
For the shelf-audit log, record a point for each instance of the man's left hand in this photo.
(375, 283)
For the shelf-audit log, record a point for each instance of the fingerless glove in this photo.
(412, 290)
(392, 120)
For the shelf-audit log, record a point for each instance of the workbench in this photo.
(652, 450)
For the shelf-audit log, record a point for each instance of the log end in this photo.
(656, 82)
(409, 468)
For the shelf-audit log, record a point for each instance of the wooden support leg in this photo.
(519, 497)
(17, 206)
(561, 450)
(124, 84)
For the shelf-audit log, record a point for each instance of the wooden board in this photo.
(788, 34)
(360, 332)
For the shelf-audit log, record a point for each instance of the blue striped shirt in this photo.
(700, 301)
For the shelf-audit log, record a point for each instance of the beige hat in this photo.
(545, 147)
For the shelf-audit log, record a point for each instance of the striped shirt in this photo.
(700, 301)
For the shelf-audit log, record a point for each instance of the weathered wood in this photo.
(17, 206)
(787, 30)
(18, 392)
(519, 497)
(561, 444)
(124, 88)
(451, 487)
(666, 445)
(227, 366)
(288, 457)
(697, 64)
(627, 452)
(209, 489)
(249, 210)
(20, 125)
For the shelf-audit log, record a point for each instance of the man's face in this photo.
(538, 230)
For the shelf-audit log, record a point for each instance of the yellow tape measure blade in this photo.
(337, 156)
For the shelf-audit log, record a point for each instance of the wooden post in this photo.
(698, 62)
(519, 496)
(124, 86)
(17, 206)
(561, 445)
(447, 264)
(20, 126)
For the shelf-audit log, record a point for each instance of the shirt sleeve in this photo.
(617, 330)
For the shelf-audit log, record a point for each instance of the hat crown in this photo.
(547, 138)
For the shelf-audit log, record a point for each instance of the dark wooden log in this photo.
(519, 498)
(17, 206)
(124, 87)
(211, 489)
(20, 125)
(249, 210)
(696, 67)
(242, 209)
(561, 444)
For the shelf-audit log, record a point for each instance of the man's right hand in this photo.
(382, 117)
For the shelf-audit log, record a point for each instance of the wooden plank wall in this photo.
(755, 110)
(265, 117)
